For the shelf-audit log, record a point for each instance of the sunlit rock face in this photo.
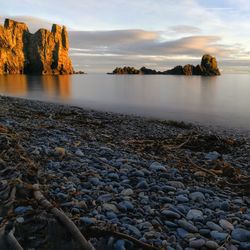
(44, 52)
(208, 67)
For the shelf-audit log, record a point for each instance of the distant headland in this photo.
(208, 67)
(44, 52)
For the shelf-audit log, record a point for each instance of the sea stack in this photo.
(208, 67)
(44, 52)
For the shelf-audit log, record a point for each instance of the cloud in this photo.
(140, 42)
(110, 38)
(184, 29)
(33, 23)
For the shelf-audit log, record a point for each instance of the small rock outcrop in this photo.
(44, 52)
(208, 67)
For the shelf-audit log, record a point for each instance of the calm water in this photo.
(223, 100)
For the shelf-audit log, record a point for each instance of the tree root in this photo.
(69, 224)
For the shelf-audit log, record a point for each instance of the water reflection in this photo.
(23, 85)
(13, 84)
(59, 86)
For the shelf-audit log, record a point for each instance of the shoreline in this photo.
(142, 177)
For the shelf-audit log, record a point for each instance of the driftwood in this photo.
(8, 240)
(14, 244)
(202, 169)
(69, 224)
(97, 232)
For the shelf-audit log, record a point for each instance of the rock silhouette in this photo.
(44, 52)
(208, 67)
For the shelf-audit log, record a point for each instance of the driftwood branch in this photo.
(7, 239)
(69, 224)
(12, 241)
(202, 169)
(97, 232)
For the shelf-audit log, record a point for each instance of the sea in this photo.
(220, 100)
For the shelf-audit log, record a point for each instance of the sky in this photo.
(157, 34)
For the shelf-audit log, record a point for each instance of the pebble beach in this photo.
(168, 184)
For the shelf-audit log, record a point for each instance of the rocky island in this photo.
(44, 52)
(208, 67)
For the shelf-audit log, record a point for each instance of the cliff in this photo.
(44, 52)
(208, 67)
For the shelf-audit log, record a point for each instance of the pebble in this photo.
(176, 184)
(127, 192)
(22, 209)
(194, 214)
(20, 219)
(111, 207)
(79, 153)
(135, 231)
(104, 198)
(182, 198)
(156, 166)
(119, 245)
(241, 235)
(197, 196)
(226, 225)
(198, 243)
(214, 226)
(212, 244)
(87, 220)
(125, 206)
(170, 214)
(211, 156)
(188, 226)
(218, 235)
(142, 185)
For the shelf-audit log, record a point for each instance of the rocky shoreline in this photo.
(167, 184)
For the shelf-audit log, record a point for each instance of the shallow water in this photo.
(223, 100)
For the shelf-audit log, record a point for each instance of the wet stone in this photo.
(111, 207)
(226, 225)
(127, 192)
(104, 198)
(87, 220)
(212, 244)
(182, 198)
(142, 185)
(156, 166)
(197, 196)
(213, 226)
(22, 209)
(170, 214)
(218, 235)
(188, 226)
(126, 205)
(79, 153)
(241, 235)
(195, 215)
(197, 243)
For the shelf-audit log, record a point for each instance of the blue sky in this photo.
(156, 33)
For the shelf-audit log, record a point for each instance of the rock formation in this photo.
(208, 67)
(44, 52)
